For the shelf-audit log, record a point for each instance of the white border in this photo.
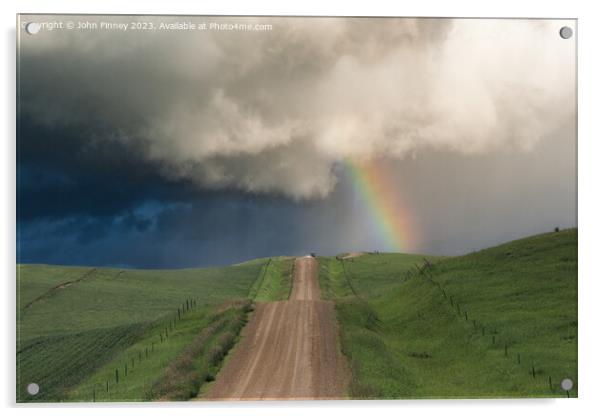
(590, 183)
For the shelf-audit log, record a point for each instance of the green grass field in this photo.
(72, 320)
(501, 322)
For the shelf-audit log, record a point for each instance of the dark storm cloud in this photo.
(60, 173)
(212, 229)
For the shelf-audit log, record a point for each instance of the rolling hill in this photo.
(501, 322)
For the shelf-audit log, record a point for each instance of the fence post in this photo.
(107, 386)
(466, 316)
(518, 357)
(126, 369)
(116, 376)
(550, 382)
(533, 370)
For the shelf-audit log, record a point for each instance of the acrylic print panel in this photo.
(270, 208)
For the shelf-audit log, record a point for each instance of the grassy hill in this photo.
(75, 325)
(501, 322)
(498, 322)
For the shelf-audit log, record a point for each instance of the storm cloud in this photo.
(274, 111)
(195, 148)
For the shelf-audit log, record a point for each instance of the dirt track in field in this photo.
(288, 349)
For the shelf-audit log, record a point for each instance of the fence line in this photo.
(170, 326)
(425, 271)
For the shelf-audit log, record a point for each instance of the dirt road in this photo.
(288, 349)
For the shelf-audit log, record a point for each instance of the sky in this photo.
(185, 148)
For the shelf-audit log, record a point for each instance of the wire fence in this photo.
(552, 382)
(120, 376)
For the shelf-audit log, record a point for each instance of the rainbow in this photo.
(380, 196)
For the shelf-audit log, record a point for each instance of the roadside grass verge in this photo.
(275, 280)
(332, 280)
(501, 322)
(156, 356)
(202, 359)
